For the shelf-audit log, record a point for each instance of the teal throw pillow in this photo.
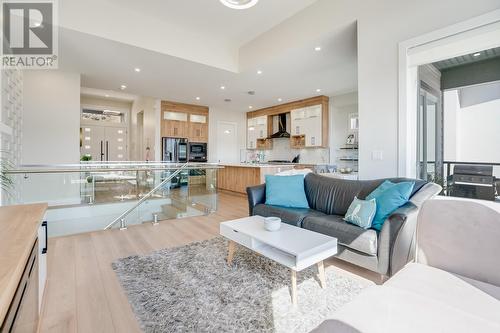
(381, 188)
(361, 212)
(388, 200)
(286, 191)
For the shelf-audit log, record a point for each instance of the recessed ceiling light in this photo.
(106, 95)
(318, 90)
(137, 69)
(222, 87)
(317, 48)
(250, 107)
(239, 4)
(123, 87)
(477, 54)
(280, 99)
(197, 98)
(259, 72)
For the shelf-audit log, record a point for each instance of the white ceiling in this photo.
(210, 17)
(106, 61)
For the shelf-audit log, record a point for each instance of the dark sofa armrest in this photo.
(396, 240)
(256, 195)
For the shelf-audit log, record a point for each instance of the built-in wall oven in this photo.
(197, 152)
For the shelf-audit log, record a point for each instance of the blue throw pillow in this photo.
(286, 191)
(381, 188)
(390, 199)
(361, 212)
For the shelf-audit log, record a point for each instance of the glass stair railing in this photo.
(94, 196)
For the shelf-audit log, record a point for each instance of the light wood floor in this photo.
(83, 293)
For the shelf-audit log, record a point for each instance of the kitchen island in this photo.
(238, 176)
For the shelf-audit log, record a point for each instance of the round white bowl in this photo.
(272, 223)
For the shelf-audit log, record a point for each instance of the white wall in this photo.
(228, 115)
(381, 26)
(183, 42)
(341, 106)
(51, 117)
(472, 133)
(51, 122)
(480, 132)
(148, 105)
(451, 135)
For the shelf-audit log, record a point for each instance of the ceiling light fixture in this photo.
(280, 99)
(250, 107)
(259, 72)
(239, 4)
(106, 95)
(318, 90)
(477, 54)
(222, 87)
(137, 69)
(317, 48)
(123, 87)
(197, 98)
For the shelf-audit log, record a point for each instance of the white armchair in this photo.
(454, 285)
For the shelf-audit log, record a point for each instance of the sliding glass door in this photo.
(430, 133)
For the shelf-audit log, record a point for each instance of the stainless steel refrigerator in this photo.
(175, 150)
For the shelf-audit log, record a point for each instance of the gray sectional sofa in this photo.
(384, 252)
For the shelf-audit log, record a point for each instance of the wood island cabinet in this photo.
(237, 177)
(23, 244)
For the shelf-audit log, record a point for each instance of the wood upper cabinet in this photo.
(184, 121)
(198, 128)
(175, 124)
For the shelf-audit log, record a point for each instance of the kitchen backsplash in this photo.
(282, 151)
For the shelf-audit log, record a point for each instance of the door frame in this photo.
(126, 124)
(222, 122)
(480, 33)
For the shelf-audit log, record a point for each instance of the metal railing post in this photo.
(123, 226)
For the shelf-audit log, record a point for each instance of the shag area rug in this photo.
(192, 289)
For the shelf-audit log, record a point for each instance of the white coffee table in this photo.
(293, 247)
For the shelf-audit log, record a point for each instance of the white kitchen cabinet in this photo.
(251, 134)
(314, 126)
(298, 121)
(308, 121)
(256, 129)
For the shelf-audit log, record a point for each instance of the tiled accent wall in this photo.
(282, 151)
(11, 123)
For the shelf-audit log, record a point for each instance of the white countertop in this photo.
(256, 165)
